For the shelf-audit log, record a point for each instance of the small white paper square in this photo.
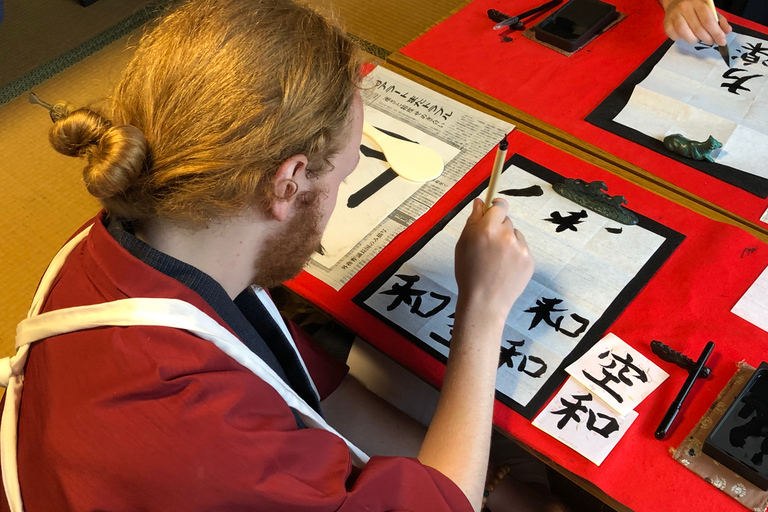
(617, 373)
(753, 305)
(579, 419)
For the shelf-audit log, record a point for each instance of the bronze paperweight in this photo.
(691, 148)
(592, 195)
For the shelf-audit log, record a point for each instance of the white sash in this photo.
(173, 313)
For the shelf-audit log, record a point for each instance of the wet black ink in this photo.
(442, 303)
(379, 181)
(610, 426)
(536, 374)
(532, 191)
(506, 355)
(628, 369)
(439, 338)
(536, 370)
(543, 310)
(403, 293)
(372, 153)
(376, 184)
(703, 46)
(607, 377)
(751, 53)
(571, 409)
(568, 222)
(748, 251)
(580, 320)
(738, 81)
(628, 366)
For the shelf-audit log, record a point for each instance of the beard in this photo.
(286, 253)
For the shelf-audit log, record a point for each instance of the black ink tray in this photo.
(576, 23)
(740, 439)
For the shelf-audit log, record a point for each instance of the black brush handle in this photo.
(674, 408)
(497, 16)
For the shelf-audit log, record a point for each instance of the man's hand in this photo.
(694, 21)
(493, 263)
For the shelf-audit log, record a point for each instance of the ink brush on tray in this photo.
(516, 22)
(677, 403)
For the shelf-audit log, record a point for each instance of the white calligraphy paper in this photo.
(349, 225)
(579, 419)
(692, 92)
(617, 373)
(753, 305)
(583, 262)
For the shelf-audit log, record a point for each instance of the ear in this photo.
(290, 180)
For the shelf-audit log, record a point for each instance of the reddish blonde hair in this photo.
(218, 94)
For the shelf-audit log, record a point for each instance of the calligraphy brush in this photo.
(516, 20)
(498, 165)
(724, 52)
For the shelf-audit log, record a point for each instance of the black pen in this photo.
(666, 422)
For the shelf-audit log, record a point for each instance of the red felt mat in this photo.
(686, 304)
(562, 90)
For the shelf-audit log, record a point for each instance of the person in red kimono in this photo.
(153, 371)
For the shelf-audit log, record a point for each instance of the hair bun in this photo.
(74, 133)
(116, 154)
(116, 161)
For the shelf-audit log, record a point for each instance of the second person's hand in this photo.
(694, 21)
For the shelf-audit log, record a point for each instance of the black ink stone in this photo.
(740, 440)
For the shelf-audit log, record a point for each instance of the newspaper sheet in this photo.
(472, 134)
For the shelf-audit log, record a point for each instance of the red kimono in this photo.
(156, 418)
